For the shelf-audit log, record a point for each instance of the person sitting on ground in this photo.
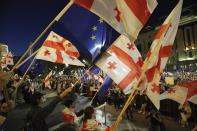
(36, 116)
(68, 112)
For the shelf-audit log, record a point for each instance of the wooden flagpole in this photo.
(43, 32)
(24, 61)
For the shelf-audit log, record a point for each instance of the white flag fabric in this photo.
(159, 52)
(192, 90)
(122, 63)
(125, 16)
(177, 93)
(59, 50)
(186, 91)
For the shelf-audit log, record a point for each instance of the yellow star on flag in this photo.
(93, 37)
(101, 20)
(94, 28)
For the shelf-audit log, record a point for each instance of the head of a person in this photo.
(69, 103)
(68, 127)
(89, 113)
(36, 98)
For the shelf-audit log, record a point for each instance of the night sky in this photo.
(22, 21)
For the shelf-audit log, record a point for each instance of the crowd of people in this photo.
(67, 87)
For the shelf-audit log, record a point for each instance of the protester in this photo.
(185, 111)
(36, 116)
(144, 100)
(89, 120)
(68, 112)
(5, 107)
(156, 123)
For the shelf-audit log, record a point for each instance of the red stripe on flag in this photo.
(127, 80)
(150, 74)
(128, 61)
(85, 3)
(192, 88)
(165, 51)
(162, 29)
(191, 92)
(59, 57)
(125, 58)
(140, 9)
(55, 45)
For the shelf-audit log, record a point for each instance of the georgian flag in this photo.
(122, 63)
(192, 91)
(125, 16)
(59, 50)
(176, 93)
(159, 52)
(182, 92)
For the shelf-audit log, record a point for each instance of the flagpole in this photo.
(44, 31)
(20, 82)
(28, 69)
(24, 61)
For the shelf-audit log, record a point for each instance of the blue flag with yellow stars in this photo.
(84, 28)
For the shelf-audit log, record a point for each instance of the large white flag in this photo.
(122, 63)
(59, 50)
(159, 52)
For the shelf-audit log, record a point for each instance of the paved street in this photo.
(16, 118)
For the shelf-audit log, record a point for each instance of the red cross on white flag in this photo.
(59, 50)
(176, 93)
(160, 51)
(122, 64)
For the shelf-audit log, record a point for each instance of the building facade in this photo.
(184, 55)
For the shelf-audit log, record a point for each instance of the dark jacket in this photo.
(36, 116)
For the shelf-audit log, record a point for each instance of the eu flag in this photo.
(84, 28)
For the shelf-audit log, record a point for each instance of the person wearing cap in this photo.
(36, 116)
